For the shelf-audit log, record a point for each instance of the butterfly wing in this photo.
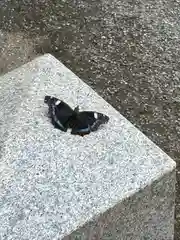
(59, 112)
(86, 122)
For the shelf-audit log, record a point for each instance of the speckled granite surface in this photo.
(52, 183)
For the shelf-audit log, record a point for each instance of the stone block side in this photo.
(147, 215)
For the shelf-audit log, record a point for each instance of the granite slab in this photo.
(51, 182)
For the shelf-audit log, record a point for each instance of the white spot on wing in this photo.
(57, 102)
(95, 115)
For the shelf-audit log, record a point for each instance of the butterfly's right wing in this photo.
(88, 121)
(59, 112)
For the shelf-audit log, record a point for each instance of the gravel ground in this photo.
(129, 53)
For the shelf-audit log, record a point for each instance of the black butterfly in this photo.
(64, 117)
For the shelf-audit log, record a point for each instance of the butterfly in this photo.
(81, 123)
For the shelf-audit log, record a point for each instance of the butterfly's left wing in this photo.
(88, 121)
(59, 112)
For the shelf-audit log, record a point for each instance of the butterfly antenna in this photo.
(85, 99)
(89, 92)
(77, 100)
(78, 91)
(78, 96)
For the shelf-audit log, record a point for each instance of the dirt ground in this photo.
(131, 59)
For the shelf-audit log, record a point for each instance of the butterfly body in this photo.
(63, 117)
